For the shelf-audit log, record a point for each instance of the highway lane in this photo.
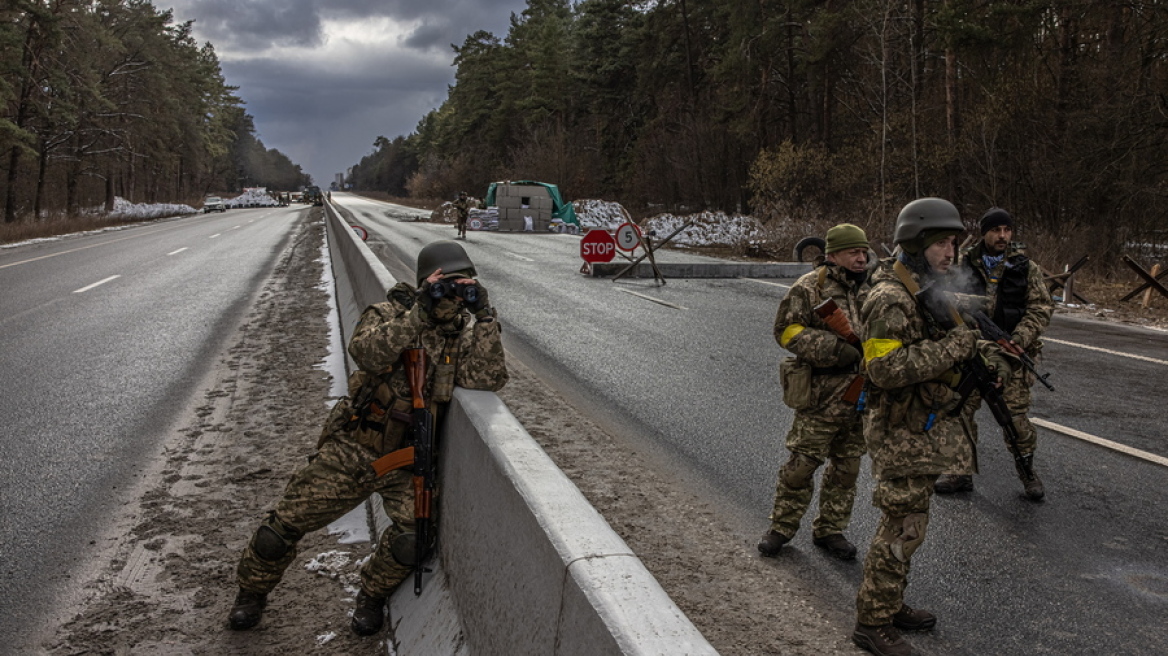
(105, 338)
(694, 385)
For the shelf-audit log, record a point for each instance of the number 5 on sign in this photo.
(628, 236)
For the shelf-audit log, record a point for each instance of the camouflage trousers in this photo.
(812, 441)
(904, 503)
(337, 480)
(1016, 393)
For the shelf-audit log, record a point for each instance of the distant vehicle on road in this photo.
(213, 204)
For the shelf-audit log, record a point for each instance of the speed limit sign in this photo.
(475, 224)
(628, 236)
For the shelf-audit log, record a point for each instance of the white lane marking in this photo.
(518, 257)
(178, 251)
(215, 235)
(74, 250)
(235, 228)
(1103, 350)
(1087, 437)
(767, 282)
(650, 298)
(99, 282)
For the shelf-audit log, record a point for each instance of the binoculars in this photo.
(468, 292)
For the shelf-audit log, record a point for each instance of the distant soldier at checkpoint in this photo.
(912, 432)
(372, 422)
(823, 384)
(1018, 302)
(462, 206)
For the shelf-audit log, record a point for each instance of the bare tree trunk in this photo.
(40, 186)
(28, 64)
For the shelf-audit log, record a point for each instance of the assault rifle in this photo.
(992, 332)
(425, 465)
(975, 375)
(837, 321)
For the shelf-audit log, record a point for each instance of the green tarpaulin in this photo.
(560, 210)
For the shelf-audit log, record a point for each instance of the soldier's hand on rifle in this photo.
(999, 365)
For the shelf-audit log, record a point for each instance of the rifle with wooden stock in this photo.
(837, 321)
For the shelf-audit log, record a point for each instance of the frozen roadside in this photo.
(168, 581)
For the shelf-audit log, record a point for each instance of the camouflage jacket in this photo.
(800, 330)
(462, 206)
(912, 374)
(385, 329)
(1037, 305)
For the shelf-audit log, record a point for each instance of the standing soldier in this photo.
(1019, 303)
(912, 435)
(816, 384)
(372, 422)
(462, 205)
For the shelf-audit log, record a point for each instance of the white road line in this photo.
(767, 282)
(1087, 437)
(215, 235)
(236, 228)
(1108, 351)
(99, 282)
(650, 298)
(518, 257)
(178, 251)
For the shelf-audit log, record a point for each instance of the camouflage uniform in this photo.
(462, 206)
(912, 374)
(339, 477)
(1025, 314)
(828, 428)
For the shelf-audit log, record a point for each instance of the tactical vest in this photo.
(1011, 292)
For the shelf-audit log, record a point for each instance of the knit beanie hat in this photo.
(845, 236)
(994, 217)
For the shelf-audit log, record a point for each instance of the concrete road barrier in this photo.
(526, 565)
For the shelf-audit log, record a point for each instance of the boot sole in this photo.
(864, 642)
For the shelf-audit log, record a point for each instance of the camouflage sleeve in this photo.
(1039, 308)
(794, 330)
(895, 352)
(385, 329)
(482, 364)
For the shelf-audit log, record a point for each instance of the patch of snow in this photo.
(330, 564)
(326, 638)
(252, 197)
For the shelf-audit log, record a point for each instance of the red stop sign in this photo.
(597, 246)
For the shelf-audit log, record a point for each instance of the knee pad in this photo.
(404, 549)
(843, 472)
(273, 540)
(796, 474)
(912, 534)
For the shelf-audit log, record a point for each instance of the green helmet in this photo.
(926, 214)
(446, 255)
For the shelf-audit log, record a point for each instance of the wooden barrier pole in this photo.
(1148, 291)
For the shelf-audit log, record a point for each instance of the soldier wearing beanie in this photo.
(826, 427)
(1020, 304)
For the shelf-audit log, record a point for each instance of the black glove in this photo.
(480, 302)
(847, 356)
(425, 300)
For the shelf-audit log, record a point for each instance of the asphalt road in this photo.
(687, 372)
(105, 339)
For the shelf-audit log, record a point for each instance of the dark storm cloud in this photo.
(256, 24)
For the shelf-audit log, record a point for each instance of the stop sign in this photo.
(597, 246)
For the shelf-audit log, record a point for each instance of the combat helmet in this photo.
(925, 215)
(446, 255)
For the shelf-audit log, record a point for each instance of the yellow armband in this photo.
(878, 348)
(790, 333)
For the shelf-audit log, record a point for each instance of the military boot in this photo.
(913, 619)
(836, 545)
(248, 609)
(770, 543)
(950, 483)
(369, 615)
(883, 640)
(1030, 480)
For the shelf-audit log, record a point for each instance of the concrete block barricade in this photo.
(525, 564)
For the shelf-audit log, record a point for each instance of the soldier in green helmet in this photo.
(460, 333)
(913, 428)
(827, 426)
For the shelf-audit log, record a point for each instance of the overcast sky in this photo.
(324, 78)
